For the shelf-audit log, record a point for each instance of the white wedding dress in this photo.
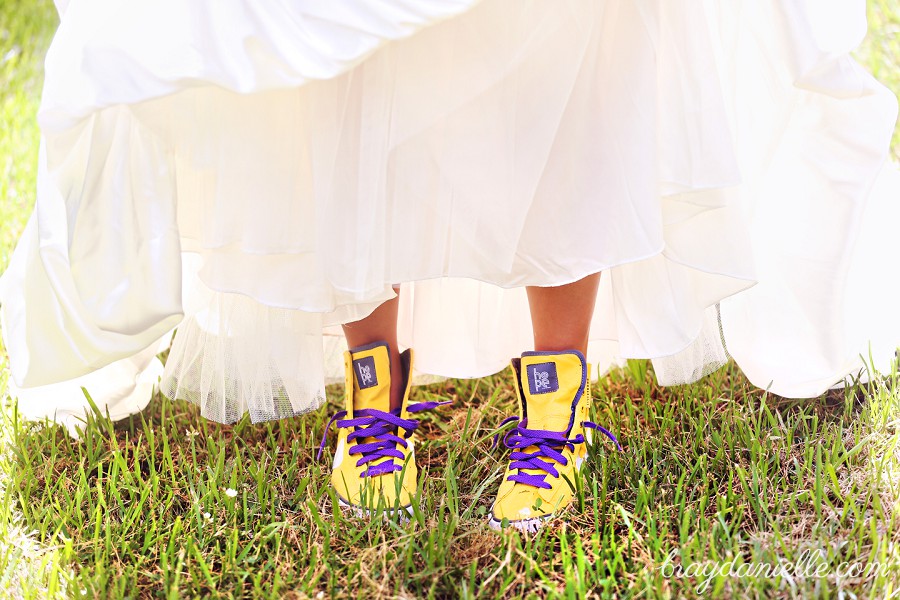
(254, 174)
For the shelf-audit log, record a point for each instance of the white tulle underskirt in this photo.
(261, 174)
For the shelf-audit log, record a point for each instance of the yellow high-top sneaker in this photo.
(548, 445)
(374, 466)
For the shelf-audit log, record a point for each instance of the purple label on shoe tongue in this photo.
(542, 378)
(365, 372)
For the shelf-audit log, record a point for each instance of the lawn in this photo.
(718, 480)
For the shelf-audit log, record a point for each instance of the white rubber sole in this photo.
(403, 514)
(524, 525)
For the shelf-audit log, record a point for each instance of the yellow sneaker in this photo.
(374, 467)
(548, 445)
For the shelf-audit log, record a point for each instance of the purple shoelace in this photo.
(549, 444)
(383, 428)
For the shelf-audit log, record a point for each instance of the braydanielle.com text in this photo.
(810, 564)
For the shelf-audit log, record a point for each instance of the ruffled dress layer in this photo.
(254, 174)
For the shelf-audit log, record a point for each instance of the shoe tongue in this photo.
(552, 383)
(371, 377)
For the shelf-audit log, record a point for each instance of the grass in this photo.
(881, 51)
(29, 567)
(714, 473)
(24, 35)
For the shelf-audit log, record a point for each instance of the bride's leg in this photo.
(380, 326)
(561, 315)
(376, 471)
(554, 393)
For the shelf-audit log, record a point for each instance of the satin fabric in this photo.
(261, 174)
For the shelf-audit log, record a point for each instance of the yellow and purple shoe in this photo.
(374, 469)
(548, 445)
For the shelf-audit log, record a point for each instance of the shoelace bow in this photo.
(383, 428)
(549, 444)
